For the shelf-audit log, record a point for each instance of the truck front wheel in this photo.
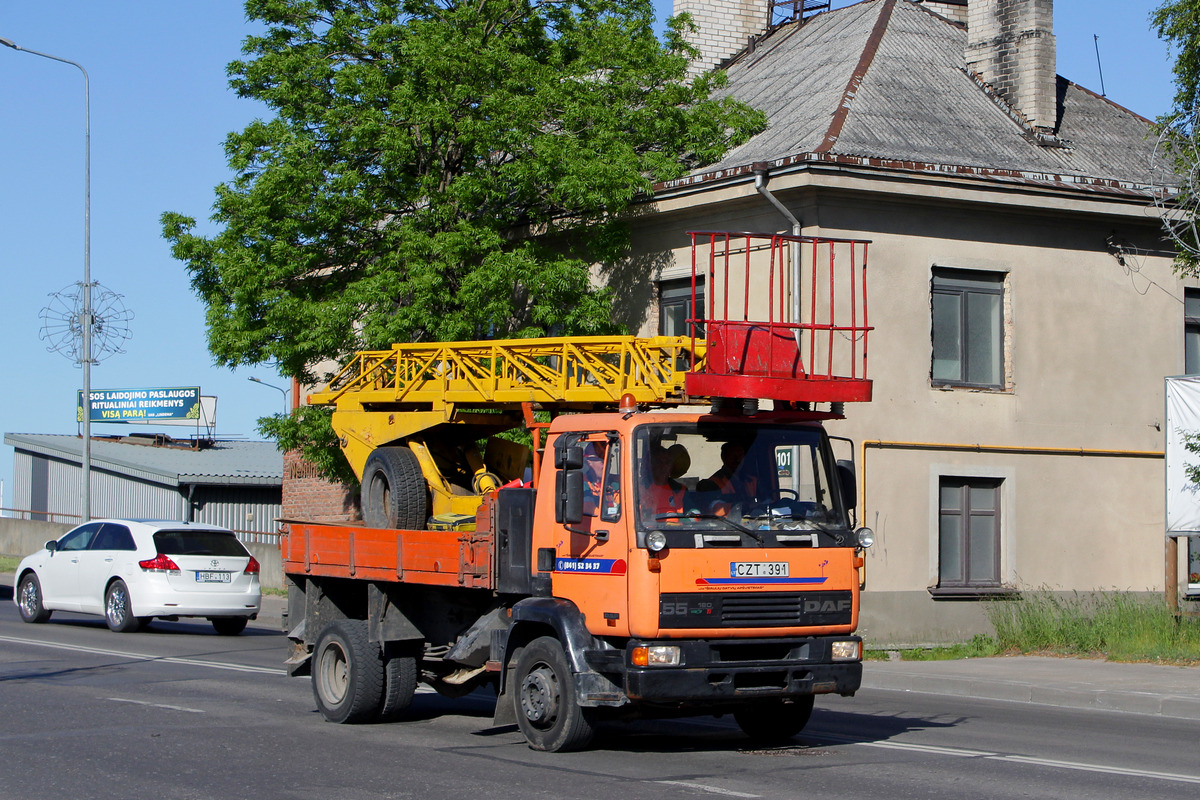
(774, 722)
(394, 494)
(347, 673)
(547, 710)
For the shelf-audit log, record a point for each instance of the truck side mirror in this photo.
(849, 483)
(568, 496)
(568, 457)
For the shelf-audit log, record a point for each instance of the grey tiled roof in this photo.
(906, 96)
(223, 463)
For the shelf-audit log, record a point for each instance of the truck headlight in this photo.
(655, 656)
(846, 650)
(656, 541)
(865, 537)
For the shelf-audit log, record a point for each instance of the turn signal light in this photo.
(159, 563)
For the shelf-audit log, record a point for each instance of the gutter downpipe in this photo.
(762, 175)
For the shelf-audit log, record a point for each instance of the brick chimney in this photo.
(1010, 45)
(724, 27)
(954, 10)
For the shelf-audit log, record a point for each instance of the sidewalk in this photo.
(1064, 682)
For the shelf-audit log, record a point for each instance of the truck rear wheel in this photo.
(774, 722)
(347, 673)
(548, 712)
(399, 685)
(393, 490)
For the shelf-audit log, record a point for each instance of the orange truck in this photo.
(678, 538)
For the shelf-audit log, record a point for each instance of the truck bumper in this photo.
(714, 673)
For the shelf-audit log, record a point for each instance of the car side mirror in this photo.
(52, 546)
(849, 483)
(568, 496)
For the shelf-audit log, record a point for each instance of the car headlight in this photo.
(656, 541)
(846, 650)
(865, 536)
(655, 656)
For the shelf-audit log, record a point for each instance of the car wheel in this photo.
(347, 673)
(118, 610)
(229, 626)
(774, 722)
(548, 712)
(29, 599)
(399, 685)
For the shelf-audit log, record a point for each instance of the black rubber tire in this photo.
(118, 609)
(399, 686)
(229, 626)
(393, 493)
(29, 599)
(547, 709)
(774, 722)
(347, 673)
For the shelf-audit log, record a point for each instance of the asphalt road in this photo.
(178, 712)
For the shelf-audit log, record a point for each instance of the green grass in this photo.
(8, 564)
(1119, 626)
(981, 646)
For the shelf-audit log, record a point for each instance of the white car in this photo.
(134, 570)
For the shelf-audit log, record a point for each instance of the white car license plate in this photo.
(209, 576)
(758, 569)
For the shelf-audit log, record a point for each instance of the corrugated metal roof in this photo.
(221, 464)
(897, 73)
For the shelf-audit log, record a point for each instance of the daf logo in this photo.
(826, 606)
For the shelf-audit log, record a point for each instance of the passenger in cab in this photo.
(664, 494)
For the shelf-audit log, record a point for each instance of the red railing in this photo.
(785, 317)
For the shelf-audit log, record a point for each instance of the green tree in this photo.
(1178, 23)
(440, 170)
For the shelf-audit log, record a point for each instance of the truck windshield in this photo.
(738, 478)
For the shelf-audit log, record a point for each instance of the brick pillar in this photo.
(307, 496)
(723, 28)
(1010, 44)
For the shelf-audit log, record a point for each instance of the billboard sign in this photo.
(142, 405)
(1183, 496)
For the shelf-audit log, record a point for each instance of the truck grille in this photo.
(755, 610)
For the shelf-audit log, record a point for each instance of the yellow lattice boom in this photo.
(579, 371)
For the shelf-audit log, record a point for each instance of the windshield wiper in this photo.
(734, 525)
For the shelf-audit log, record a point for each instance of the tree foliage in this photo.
(1178, 23)
(440, 170)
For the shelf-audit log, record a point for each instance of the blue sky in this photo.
(160, 110)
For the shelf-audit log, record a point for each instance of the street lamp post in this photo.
(276, 388)
(86, 319)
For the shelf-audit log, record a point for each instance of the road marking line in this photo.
(145, 657)
(929, 748)
(706, 788)
(155, 705)
(1137, 773)
(1018, 759)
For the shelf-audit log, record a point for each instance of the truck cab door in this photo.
(591, 555)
